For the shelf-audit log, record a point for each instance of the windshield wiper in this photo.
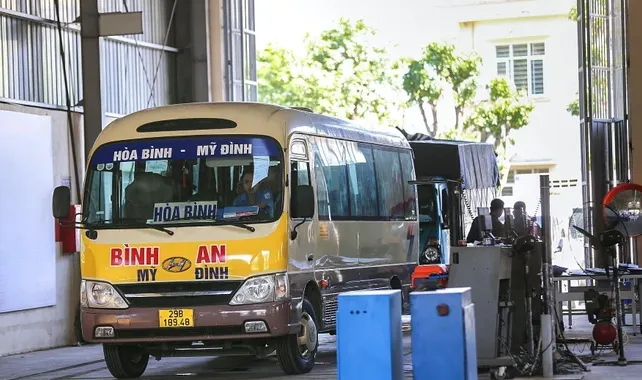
(134, 222)
(220, 223)
(237, 224)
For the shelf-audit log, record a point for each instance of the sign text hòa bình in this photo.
(143, 154)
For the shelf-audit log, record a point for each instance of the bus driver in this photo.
(253, 196)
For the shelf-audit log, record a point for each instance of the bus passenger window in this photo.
(361, 177)
(389, 183)
(331, 178)
(410, 197)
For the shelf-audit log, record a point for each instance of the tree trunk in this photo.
(458, 114)
(484, 136)
(435, 121)
(423, 116)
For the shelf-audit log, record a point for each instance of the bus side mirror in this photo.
(61, 202)
(303, 202)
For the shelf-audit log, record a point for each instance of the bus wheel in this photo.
(125, 362)
(297, 353)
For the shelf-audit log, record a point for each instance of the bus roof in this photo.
(252, 118)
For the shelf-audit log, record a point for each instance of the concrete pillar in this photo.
(191, 23)
(369, 337)
(634, 30)
(91, 88)
(217, 50)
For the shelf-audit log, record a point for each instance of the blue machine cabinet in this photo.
(443, 334)
(369, 336)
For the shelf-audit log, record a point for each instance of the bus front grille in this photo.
(179, 294)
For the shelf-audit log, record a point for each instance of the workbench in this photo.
(576, 293)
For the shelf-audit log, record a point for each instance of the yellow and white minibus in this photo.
(231, 228)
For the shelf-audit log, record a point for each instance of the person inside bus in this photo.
(253, 195)
(145, 191)
(496, 211)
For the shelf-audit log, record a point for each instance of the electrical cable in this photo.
(63, 62)
(160, 57)
(140, 56)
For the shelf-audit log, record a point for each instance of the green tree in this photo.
(341, 73)
(460, 71)
(439, 65)
(423, 87)
(282, 79)
(494, 119)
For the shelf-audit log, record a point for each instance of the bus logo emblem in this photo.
(176, 264)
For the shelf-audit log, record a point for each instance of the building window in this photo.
(523, 64)
(507, 191)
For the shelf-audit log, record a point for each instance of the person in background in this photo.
(496, 211)
(521, 222)
(253, 196)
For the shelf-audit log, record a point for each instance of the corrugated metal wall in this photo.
(30, 67)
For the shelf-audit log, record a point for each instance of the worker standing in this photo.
(496, 211)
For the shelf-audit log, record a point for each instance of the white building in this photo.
(534, 43)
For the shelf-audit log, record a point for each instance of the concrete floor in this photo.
(86, 363)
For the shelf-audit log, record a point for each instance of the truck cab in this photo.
(452, 177)
(434, 228)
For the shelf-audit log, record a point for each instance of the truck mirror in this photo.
(61, 202)
(303, 202)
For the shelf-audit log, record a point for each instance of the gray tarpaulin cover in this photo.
(473, 162)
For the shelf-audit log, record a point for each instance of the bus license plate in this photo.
(176, 318)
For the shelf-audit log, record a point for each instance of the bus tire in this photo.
(297, 353)
(125, 361)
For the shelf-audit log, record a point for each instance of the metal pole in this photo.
(92, 99)
(548, 319)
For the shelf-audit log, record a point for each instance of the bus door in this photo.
(302, 249)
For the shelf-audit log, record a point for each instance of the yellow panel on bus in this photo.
(218, 259)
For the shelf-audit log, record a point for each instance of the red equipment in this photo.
(604, 333)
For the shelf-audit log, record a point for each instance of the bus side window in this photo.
(444, 208)
(299, 175)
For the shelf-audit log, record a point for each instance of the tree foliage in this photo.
(423, 87)
(282, 80)
(341, 73)
(492, 119)
(458, 70)
(440, 65)
(505, 111)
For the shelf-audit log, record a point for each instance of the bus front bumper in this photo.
(217, 322)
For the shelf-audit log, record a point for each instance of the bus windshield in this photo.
(185, 180)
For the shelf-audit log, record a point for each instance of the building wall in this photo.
(29, 330)
(553, 134)
(32, 82)
(30, 65)
(552, 138)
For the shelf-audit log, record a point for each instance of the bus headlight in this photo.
(430, 256)
(100, 295)
(274, 287)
